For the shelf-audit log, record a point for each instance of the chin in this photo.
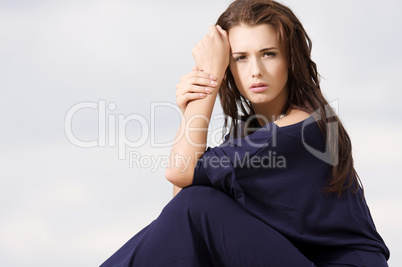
(259, 99)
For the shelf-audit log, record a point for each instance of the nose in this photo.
(256, 74)
(256, 70)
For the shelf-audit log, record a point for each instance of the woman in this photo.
(281, 190)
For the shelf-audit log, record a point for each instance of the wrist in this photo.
(219, 73)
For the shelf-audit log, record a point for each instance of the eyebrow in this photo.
(262, 50)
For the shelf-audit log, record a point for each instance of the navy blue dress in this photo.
(258, 201)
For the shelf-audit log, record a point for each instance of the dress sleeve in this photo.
(200, 175)
(220, 166)
(215, 168)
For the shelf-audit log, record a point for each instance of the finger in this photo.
(194, 73)
(201, 81)
(219, 28)
(198, 89)
(199, 74)
(196, 68)
(183, 89)
(223, 33)
(212, 29)
(192, 96)
(183, 100)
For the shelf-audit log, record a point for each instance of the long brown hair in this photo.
(303, 85)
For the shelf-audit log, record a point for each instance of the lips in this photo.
(258, 87)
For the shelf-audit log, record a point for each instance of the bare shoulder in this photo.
(295, 116)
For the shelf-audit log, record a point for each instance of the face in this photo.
(259, 66)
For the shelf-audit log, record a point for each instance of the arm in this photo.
(186, 149)
(211, 55)
(190, 140)
(192, 86)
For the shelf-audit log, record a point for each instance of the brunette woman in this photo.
(281, 190)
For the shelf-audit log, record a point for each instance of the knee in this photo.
(197, 199)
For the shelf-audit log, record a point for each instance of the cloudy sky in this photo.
(74, 188)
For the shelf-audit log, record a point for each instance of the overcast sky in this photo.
(66, 205)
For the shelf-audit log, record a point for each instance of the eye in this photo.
(269, 54)
(239, 58)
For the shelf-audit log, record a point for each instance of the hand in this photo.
(211, 54)
(193, 86)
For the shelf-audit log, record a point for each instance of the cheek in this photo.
(280, 71)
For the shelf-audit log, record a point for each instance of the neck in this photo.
(268, 112)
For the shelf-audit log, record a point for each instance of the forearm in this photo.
(191, 139)
(211, 56)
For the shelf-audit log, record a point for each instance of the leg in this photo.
(202, 226)
(232, 236)
(353, 258)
